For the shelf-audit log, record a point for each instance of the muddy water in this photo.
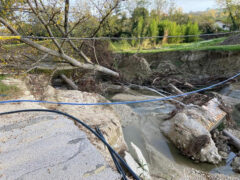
(146, 131)
(236, 114)
(233, 91)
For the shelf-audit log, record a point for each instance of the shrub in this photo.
(153, 31)
(192, 29)
(172, 29)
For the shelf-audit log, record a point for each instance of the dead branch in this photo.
(94, 50)
(75, 48)
(105, 17)
(69, 82)
(189, 85)
(157, 92)
(175, 89)
(46, 25)
(34, 65)
(76, 24)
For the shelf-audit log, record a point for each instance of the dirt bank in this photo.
(232, 40)
(194, 66)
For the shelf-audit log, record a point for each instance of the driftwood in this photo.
(234, 140)
(175, 89)
(157, 92)
(189, 85)
(69, 82)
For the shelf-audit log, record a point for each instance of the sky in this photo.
(186, 5)
(195, 5)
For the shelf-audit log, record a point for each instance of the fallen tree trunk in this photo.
(234, 140)
(58, 54)
(69, 82)
(58, 67)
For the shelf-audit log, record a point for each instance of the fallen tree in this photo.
(40, 12)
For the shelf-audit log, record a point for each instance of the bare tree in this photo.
(53, 15)
(161, 6)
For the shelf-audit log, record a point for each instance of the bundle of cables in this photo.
(118, 160)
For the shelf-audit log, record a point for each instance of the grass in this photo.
(124, 47)
(2, 77)
(8, 90)
(223, 48)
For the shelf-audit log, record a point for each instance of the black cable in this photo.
(84, 125)
(118, 166)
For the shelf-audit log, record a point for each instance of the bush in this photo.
(192, 29)
(172, 29)
(153, 31)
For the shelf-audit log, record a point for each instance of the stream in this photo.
(144, 131)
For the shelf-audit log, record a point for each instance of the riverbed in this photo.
(145, 131)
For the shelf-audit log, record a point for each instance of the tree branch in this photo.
(80, 53)
(69, 82)
(66, 17)
(45, 24)
(103, 20)
(105, 17)
(34, 64)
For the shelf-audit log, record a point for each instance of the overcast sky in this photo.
(195, 5)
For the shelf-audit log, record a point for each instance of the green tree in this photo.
(139, 21)
(153, 30)
(171, 28)
(138, 31)
(192, 29)
(232, 8)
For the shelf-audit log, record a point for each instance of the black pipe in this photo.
(84, 125)
(118, 166)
